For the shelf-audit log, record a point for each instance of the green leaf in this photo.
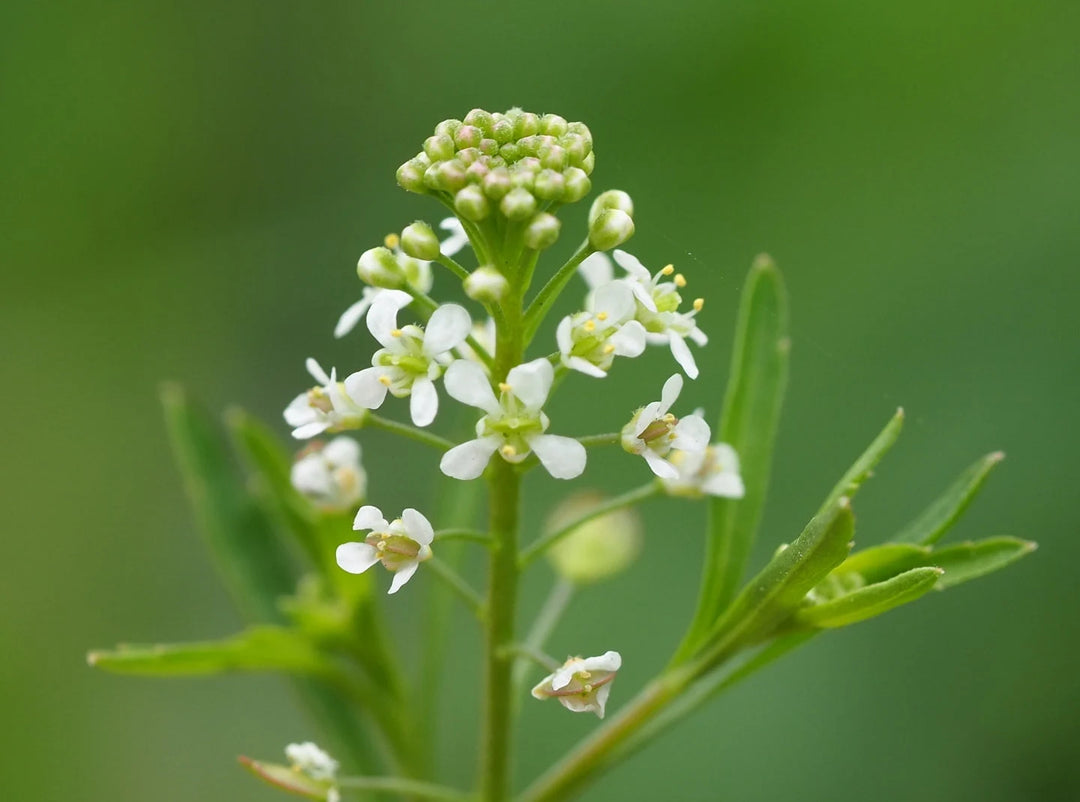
(240, 536)
(936, 519)
(775, 593)
(260, 648)
(871, 600)
(966, 561)
(286, 779)
(863, 468)
(749, 420)
(879, 563)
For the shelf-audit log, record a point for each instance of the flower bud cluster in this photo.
(508, 164)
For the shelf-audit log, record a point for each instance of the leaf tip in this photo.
(92, 658)
(899, 413)
(995, 457)
(763, 262)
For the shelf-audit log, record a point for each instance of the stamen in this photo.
(698, 303)
(508, 450)
(680, 280)
(395, 332)
(504, 387)
(669, 418)
(602, 316)
(589, 326)
(609, 349)
(392, 241)
(385, 380)
(668, 270)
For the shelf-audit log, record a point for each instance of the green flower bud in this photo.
(530, 145)
(598, 549)
(410, 176)
(379, 268)
(439, 147)
(577, 185)
(476, 172)
(447, 176)
(589, 162)
(448, 127)
(581, 130)
(549, 185)
(519, 204)
(481, 119)
(554, 157)
(502, 130)
(420, 242)
(542, 231)
(489, 147)
(526, 124)
(511, 151)
(468, 156)
(553, 125)
(524, 174)
(612, 199)
(576, 148)
(471, 204)
(496, 183)
(468, 136)
(486, 284)
(610, 230)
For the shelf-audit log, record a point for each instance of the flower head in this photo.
(410, 359)
(514, 424)
(331, 475)
(713, 471)
(309, 759)
(589, 341)
(581, 684)
(400, 545)
(653, 432)
(324, 407)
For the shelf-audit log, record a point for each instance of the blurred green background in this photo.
(185, 190)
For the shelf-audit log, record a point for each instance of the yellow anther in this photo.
(381, 545)
(587, 688)
(385, 381)
(602, 316)
(590, 326)
(392, 241)
(698, 303)
(395, 332)
(680, 280)
(609, 349)
(504, 387)
(508, 450)
(668, 270)
(585, 675)
(669, 418)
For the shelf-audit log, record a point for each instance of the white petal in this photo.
(403, 575)
(649, 413)
(726, 457)
(584, 366)
(561, 678)
(531, 382)
(356, 557)
(424, 402)
(681, 351)
(661, 467)
(616, 299)
(670, 394)
(457, 240)
(342, 451)
(597, 269)
(632, 265)
(563, 457)
(351, 316)
(629, 340)
(643, 294)
(382, 319)
(448, 327)
(600, 700)
(698, 336)
(316, 371)
(608, 661)
(467, 383)
(310, 429)
(725, 485)
(562, 335)
(468, 460)
(417, 526)
(299, 411)
(365, 389)
(369, 517)
(692, 433)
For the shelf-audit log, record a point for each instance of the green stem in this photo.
(542, 543)
(554, 607)
(403, 787)
(545, 661)
(405, 430)
(610, 439)
(427, 306)
(472, 535)
(540, 305)
(462, 588)
(451, 265)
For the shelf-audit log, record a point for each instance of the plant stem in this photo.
(554, 606)
(592, 440)
(402, 787)
(462, 588)
(405, 430)
(528, 652)
(453, 266)
(542, 543)
(550, 291)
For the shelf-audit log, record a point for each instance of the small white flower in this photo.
(581, 684)
(654, 432)
(514, 424)
(658, 303)
(711, 472)
(410, 359)
(589, 341)
(312, 761)
(400, 545)
(331, 475)
(322, 408)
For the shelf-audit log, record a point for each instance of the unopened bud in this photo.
(471, 204)
(589, 162)
(486, 284)
(577, 185)
(447, 176)
(439, 147)
(612, 199)
(496, 183)
(468, 136)
(610, 230)
(448, 127)
(410, 176)
(554, 157)
(420, 242)
(553, 125)
(519, 204)
(542, 231)
(597, 549)
(502, 129)
(526, 124)
(549, 185)
(481, 119)
(379, 267)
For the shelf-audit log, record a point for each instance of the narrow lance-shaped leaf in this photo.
(863, 467)
(287, 779)
(749, 420)
(936, 519)
(885, 561)
(240, 537)
(871, 600)
(966, 561)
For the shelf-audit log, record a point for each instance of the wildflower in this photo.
(331, 475)
(713, 471)
(581, 684)
(309, 759)
(324, 407)
(589, 341)
(514, 424)
(653, 432)
(411, 358)
(400, 545)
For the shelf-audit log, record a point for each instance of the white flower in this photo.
(581, 684)
(331, 475)
(654, 432)
(657, 303)
(322, 408)
(711, 472)
(410, 359)
(312, 761)
(417, 273)
(514, 424)
(589, 341)
(400, 545)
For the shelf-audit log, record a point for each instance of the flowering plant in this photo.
(505, 176)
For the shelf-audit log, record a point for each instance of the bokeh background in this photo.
(185, 190)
